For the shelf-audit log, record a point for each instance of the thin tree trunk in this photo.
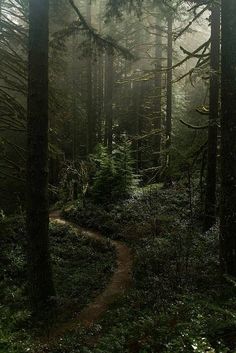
(228, 137)
(138, 122)
(210, 199)
(158, 93)
(91, 130)
(1, 3)
(100, 97)
(40, 274)
(109, 100)
(100, 88)
(95, 94)
(169, 89)
(74, 93)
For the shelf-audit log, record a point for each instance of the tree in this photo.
(210, 199)
(114, 178)
(158, 92)
(169, 89)
(108, 99)
(137, 100)
(100, 82)
(90, 112)
(228, 136)
(40, 275)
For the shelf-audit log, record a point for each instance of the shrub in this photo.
(114, 178)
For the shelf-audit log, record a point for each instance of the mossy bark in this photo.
(41, 287)
(210, 199)
(169, 89)
(158, 93)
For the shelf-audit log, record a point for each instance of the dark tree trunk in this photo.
(228, 152)
(100, 97)
(40, 274)
(169, 89)
(91, 133)
(109, 100)
(158, 93)
(100, 87)
(137, 101)
(74, 93)
(95, 94)
(210, 199)
(1, 3)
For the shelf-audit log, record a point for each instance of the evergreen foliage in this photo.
(113, 119)
(114, 179)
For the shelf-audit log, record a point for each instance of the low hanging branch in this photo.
(192, 54)
(191, 22)
(106, 43)
(202, 110)
(203, 127)
(115, 7)
(184, 75)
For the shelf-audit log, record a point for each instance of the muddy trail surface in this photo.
(119, 282)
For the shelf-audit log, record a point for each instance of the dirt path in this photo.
(119, 282)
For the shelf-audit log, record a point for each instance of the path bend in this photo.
(120, 281)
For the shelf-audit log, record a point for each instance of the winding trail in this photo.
(119, 282)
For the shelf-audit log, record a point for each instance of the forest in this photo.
(117, 176)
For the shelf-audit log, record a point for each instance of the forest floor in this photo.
(82, 268)
(149, 284)
(121, 279)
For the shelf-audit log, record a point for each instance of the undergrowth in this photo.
(82, 267)
(178, 302)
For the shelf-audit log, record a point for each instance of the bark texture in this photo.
(109, 100)
(228, 152)
(158, 91)
(40, 274)
(91, 124)
(210, 199)
(169, 88)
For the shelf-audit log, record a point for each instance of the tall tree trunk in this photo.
(95, 93)
(1, 3)
(100, 88)
(100, 94)
(169, 90)
(228, 152)
(138, 97)
(109, 100)
(158, 93)
(74, 93)
(210, 199)
(91, 124)
(40, 274)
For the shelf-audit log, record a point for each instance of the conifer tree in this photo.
(40, 274)
(228, 137)
(210, 199)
